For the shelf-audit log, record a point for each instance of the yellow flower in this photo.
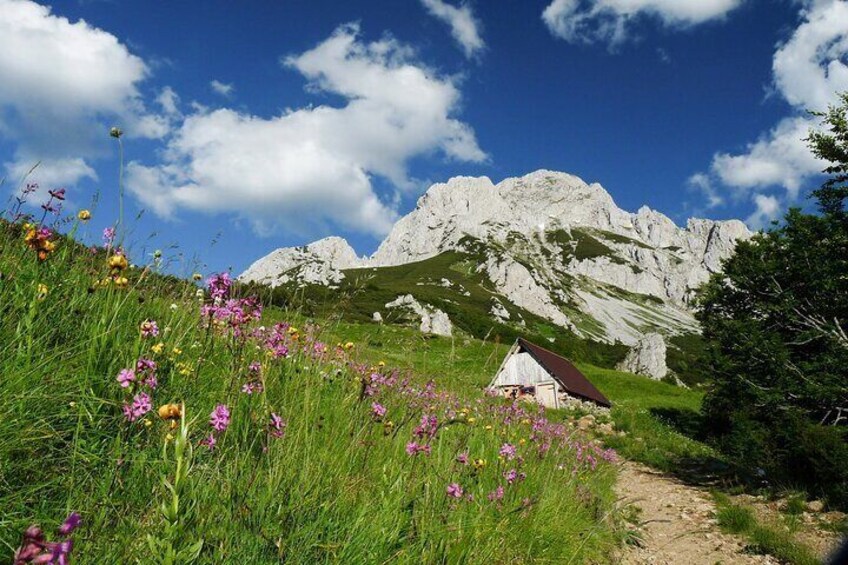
(479, 463)
(177, 351)
(121, 282)
(170, 411)
(158, 348)
(293, 330)
(522, 441)
(472, 419)
(169, 437)
(41, 294)
(197, 276)
(84, 215)
(381, 364)
(488, 427)
(118, 262)
(147, 423)
(349, 345)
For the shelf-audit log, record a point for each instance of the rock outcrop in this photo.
(432, 320)
(647, 357)
(551, 245)
(320, 262)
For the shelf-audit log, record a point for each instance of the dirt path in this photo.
(676, 522)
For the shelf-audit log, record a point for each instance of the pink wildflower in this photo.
(219, 419)
(462, 458)
(209, 441)
(277, 426)
(454, 490)
(126, 377)
(149, 328)
(496, 494)
(140, 406)
(377, 410)
(507, 451)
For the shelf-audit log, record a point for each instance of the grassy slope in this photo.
(338, 487)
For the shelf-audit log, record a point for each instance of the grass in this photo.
(339, 486)
(763, 538)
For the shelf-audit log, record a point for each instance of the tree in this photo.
(775, 321)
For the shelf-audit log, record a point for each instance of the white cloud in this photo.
(609, 21)
(168, 101)
(313, 166)
(779, 158)
(767, 209)
(222, 88)
(703, 184)
(62, 85)
(464, 27)
(808, 70)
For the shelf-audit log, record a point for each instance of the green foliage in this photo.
(339, 487)
(775, 321)
(764, 538)
(467, 301)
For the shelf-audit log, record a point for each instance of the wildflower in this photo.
(471, 420)
(118, 262)
(209, 441)
(70, 524)
(414, 448)
(251, 387)
(57, 194)
(488, 427)
(348, 345)
(197, 276)
(512, 476)
(140, 406)
(454, 490)
(84, 215)
(108, 236)
(277, 426)
(170, 411)
(219, 419)
(219, 285)
(507, 451)
(41, 293)
(121, 282)
(149, 328)
(174, 307)
(479, 464)
(462, 458)
(158, 348)
(377, 410)
(36, 549)
(157, 254)
(496, 494)
(38, 239)
(116, 132)
(126, 377)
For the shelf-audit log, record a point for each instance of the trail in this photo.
(676, 523)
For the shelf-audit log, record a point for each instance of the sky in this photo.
(254, 125)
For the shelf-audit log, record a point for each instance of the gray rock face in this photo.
(550, 244)
(433, 320)
(647, 357)
(320, 262)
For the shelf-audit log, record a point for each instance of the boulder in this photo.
(432, 320)
(647, 358)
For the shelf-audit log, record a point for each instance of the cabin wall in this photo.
(521, 370)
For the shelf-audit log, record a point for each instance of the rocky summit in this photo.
(546, 245)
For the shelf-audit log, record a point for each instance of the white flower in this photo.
(174, 307)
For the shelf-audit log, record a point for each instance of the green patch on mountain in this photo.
(579, 245)
(467, 302)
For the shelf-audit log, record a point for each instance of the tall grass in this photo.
(362, 464)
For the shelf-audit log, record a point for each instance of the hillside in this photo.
(545, 255)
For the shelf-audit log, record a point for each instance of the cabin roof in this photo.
(566, 374)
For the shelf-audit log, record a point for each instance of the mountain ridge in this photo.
(549, 243)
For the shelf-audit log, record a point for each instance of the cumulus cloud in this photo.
(767, 209)
(61, 85)
(702, 183)
(808, 70)
(464, 27)
(312, 166)
(609, 21)
(222, 88)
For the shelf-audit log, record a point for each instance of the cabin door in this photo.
(546, 395)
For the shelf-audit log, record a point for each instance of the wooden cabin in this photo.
(534, 373)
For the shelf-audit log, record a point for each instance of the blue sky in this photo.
(262, 124)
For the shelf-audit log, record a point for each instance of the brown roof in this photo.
(561, 369)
